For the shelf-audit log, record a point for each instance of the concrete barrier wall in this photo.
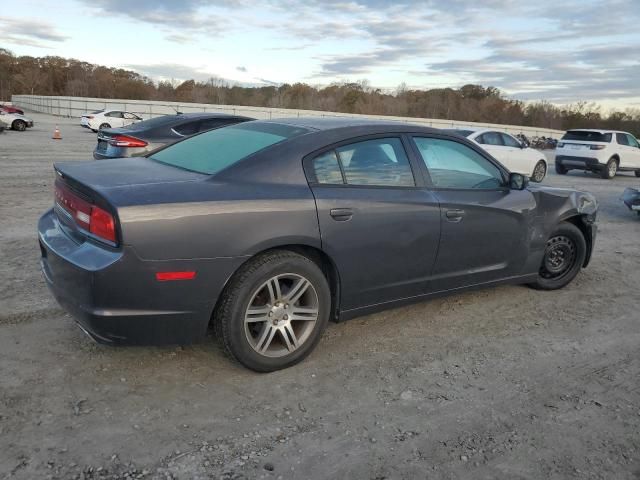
(76, 106)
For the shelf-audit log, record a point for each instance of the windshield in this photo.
(212, 151)
(457, 131)
(587, 136)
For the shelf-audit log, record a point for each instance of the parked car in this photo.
(3, 126)
(143, 137)
(84, 119)
(512, 153)
(11, 109)
(15, 121)
(601, 151)
(268, 229)
(110, 119)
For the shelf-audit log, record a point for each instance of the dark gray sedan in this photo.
(141, 138)
(269, 229)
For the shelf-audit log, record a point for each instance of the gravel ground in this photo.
(502, 383)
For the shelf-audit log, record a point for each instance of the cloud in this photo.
(29, 32)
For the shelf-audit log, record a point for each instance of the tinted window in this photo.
(509, 141)
(188, 128)
(381, 161)
(327, 169)
(214, 123)
(453, 165)
(490, 138)
(587, 136)
(215, 150)
(130, 116)
(113, 114)
(464, 133)
(621, 138)
(632, 141)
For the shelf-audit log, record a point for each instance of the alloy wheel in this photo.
(539, 172)
(281, 315)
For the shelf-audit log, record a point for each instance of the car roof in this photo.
(338, 123)
(599, 130)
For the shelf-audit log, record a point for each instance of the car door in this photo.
(484, 224)
(377, 222)
(520, 159)
(633, 149)
(116, 119)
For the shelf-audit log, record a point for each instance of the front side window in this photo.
(381, 162)
(631, 141)
(621, 138)
(454, 165)
(212, 151)
(509, 141)
(130, 116)
(114, 114)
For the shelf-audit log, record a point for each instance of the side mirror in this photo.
(518, 181)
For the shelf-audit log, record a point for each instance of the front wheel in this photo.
(560, 170)
(539, 171)
(104, 125)
(19, 125)
(273, 311)
(563, 258)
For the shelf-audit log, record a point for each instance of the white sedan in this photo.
(108, 119)
(513, 154)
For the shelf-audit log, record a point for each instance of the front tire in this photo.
(564, 256)
(103, 126)
(560, 170)
(610, 169)
(539, 171)
(19, 125)
(274, 310)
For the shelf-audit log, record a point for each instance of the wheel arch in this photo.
(580, 221)
(313, 253)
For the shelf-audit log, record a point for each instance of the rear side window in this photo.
(454, 165)
(587, 136)
(380, 162)
(327, 169)
(212, 151)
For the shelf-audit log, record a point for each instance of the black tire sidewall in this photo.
(240, 295)
(560, 170)
(104, 125)
(605, 172)
(576, 235)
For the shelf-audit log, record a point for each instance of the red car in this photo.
(11, 109)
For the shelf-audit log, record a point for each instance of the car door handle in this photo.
(454, 215)
(341, 214)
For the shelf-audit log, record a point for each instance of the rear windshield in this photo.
(212, 151)
(464, 133)
(587, 136)
(154, 122)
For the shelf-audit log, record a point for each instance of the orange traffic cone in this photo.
(56, 134)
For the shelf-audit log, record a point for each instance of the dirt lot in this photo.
(504, 383)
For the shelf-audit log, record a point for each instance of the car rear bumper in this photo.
(114, 296)
(119, 152)
(584, 163)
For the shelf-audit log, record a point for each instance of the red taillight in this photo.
(102, 224)
(87, 216)
(167, 276)
(126, 141)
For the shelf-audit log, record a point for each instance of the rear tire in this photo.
(539, 171)
(610, 169)
(564, 256)
(19, 125)
(260, 318)
(637, 172)
(560, 170)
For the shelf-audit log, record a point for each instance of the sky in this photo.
(559, 51)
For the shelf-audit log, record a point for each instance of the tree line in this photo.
(54, 75)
